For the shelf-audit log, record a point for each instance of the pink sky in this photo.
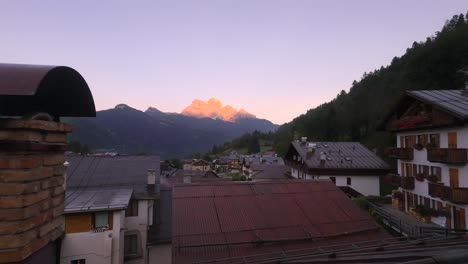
(276, 59)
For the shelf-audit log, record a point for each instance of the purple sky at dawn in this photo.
(276, 59)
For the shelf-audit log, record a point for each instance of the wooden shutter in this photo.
(452, 139)
(453, 172)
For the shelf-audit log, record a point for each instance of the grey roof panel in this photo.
(341, 155)
(93, 199)
(452, 101)
(118, 171)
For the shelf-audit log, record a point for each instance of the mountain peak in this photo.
(213, 108)
(122, 106)
(153, 110)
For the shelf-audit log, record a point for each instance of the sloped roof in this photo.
(201, 163)
(212, 221)
(97, 199)
(340, 155)
(451, 101)
(269, 171)
(259, 159)
(117, 171)
(196, 176)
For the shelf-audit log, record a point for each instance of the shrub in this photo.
(361, 201)
(243, 178)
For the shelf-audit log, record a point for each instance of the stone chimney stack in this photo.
(31, 187)
(151, 176)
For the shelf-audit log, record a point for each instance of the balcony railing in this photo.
(400, 153)
(447, 155)
(454, 195)
(407, 183)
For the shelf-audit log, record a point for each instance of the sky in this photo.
(274, 58)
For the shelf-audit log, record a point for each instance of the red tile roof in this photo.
(222, 220)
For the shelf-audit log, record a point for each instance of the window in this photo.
(434, 140)
(101, 219)
(333, 179)
(348, 180)
(78, 261)
(437, 171)
(132, 209)
(131, 244)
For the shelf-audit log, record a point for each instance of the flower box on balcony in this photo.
(420, 177)
(410, 122)
(418, 146)
(433, 178)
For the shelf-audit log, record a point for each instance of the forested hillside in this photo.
(354, 115)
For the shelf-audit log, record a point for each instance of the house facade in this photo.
(431, 152)
(109, 209)
(347, 164)
(197, 165)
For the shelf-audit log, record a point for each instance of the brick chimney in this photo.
(31, 187)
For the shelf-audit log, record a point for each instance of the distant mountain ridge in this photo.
(213, 108)
(132, 131)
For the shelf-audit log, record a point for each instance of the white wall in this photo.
(141, 223)
(420, 158)
(366, 185)
(160, 254)
(102, 248)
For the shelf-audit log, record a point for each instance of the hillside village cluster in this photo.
(258, 208)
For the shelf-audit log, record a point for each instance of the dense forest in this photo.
(354, 115)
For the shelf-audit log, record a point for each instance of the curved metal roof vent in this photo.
(56, 90)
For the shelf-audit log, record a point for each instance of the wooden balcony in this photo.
(447, 155)
(400, 153)
(459, 195)
(394, 179)
(407, 183)
(454, 195)
(439, 190)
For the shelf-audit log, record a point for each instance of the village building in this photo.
(221, 164)
(431, 148)
(216, 221)
(347, 164)
(109, 208)
(197, 165)
(264, 172)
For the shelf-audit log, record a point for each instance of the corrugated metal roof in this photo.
(117, 171)
(340, 155)
(57, 90)
(236, 219)
(435, 249)
(93, 199)
(452, 101)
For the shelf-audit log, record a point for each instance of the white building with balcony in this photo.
(432, 140)
(348, 164)
(109, 209)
